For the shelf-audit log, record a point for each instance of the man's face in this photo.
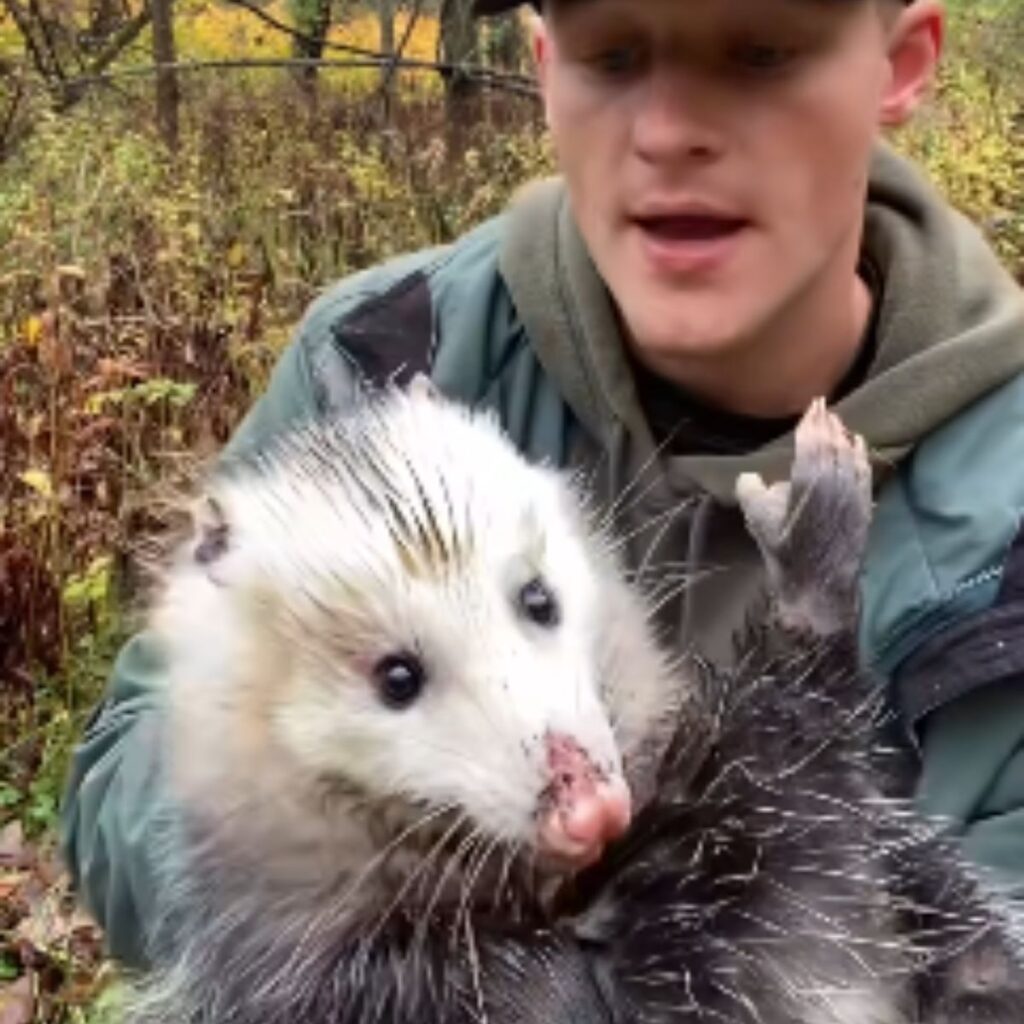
(716, 153)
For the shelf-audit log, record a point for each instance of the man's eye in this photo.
(616, 61)
(764, 56)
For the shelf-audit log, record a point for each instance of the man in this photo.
(730, 240)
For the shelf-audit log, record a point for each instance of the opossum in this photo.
(405, 677)
(427, 762)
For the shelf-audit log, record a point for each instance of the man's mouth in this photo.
(690, 227)
(690, 242)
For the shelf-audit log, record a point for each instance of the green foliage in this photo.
(9, 970)
(61, 707)
(108, 1008)
(306, 14)
(160, 389)
(91, 592)
(971, 138)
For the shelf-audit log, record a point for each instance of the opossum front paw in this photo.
(982, 984)
(812, 531)
(980, 1008)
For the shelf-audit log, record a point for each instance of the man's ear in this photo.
(915, 45)
(540, 47)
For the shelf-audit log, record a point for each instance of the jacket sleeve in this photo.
(974, 777)
(112, 805)
(943, 621)
(965, 689)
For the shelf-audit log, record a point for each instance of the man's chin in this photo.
(659, 330)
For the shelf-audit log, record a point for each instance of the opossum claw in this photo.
(421, 386)
(812, 531)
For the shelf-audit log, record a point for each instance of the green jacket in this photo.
(514, 317)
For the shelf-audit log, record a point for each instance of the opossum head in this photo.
(399, 605)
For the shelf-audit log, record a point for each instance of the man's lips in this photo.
(689, 227)
(688, 242)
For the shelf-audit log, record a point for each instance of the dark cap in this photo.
(482, 8)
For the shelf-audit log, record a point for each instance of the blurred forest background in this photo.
(178, 178)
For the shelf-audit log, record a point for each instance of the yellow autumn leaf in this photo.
(236, 255)
(33, 330)
(39, 480)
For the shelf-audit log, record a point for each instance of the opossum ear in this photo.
(421, 386)
(212, 534)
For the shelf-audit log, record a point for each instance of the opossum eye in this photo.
(538, 604)
(400, 678)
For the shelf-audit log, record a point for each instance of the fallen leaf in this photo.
(11, 882)
(38, 480)
(13, 851)
(18, 1001)
(236, 255)
(45, 925)
(33, 330)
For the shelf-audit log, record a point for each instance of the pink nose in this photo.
(585, 809)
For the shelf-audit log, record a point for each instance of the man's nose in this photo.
(675, 118)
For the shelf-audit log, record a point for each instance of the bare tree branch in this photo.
(471, 70)
(280, 26)
(122, 38)
(389, 72)
(7, 131)
(72, 90)
(517, 84)
(40, 47)
(51, 44)
(23, 20)
(165, 56)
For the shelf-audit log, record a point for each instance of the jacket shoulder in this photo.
(445, 312)
(389, 322)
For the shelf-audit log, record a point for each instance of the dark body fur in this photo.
(791, 873)
(779, 860)
(779, 877)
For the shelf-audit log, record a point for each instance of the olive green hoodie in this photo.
(950, 330)
(514, 317)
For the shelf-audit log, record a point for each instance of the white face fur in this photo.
(405, 605)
